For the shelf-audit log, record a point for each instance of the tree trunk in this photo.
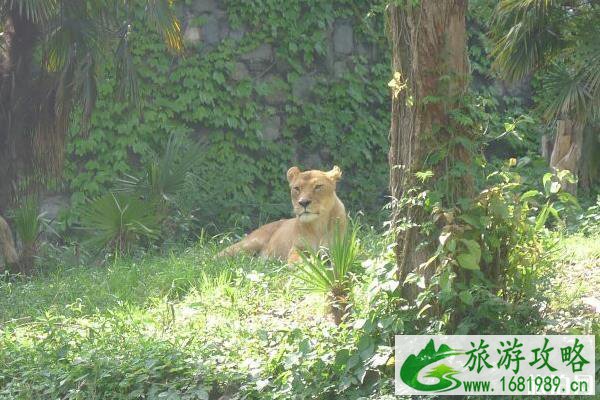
(589, 164)
(566, 153)
(546, 144)
(429, 51)
(16, 57)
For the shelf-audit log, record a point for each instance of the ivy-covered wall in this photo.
(265, 85)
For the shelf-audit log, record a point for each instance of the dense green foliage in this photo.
(50, 53)
(187, 325)
(241, 172)
(153, 316)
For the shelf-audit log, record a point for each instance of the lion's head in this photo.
(313, 192)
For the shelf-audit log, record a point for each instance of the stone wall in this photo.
(262, 88)
(261, 64)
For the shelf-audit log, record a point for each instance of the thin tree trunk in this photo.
(429, 51)
(566, 153)
(589, 163)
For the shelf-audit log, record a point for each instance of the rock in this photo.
(236, 34)
(312, 161)
(262, 53)
(192, 35)
(302, 88)
(343, 37)
(240, 72)
(339, 69)
(271, 128)
(203, 6)
(278, 90)
(365, 50)
(259, 58)
(211, 32)
(51, 206)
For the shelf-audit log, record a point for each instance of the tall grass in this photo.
(28, 226)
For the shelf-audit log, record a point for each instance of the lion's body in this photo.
(317, 215)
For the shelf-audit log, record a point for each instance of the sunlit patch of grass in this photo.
(186, 323)
(575, 285)
(580, 264)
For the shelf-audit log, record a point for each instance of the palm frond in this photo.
(165, 176)
(525, 33)
(117, 221)
(327, 270)
(125, 69)
(344, 251)
(160, 12)
(568, 93)
(37, 11)
(314, 272)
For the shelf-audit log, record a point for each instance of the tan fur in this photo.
(313, 224)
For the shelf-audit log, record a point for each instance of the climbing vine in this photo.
(253, 125)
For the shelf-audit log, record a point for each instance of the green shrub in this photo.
(589, 221)
(164, 176)
(118, 222)
(330, 271)
(28, 222)
(492, 253)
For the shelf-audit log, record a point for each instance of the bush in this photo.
(489, 255)
(589, 221)
(330, 271)
(28, 223)
(118, 222)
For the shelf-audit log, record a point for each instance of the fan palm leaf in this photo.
(524, 33)
(117, 221)
(560, 35)
(165, 176)
(327, 270)
(37, 11)
(28, 222)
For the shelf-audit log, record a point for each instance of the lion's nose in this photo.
(304, 202)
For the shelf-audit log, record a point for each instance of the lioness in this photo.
(317, 209)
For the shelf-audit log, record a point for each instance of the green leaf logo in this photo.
(413, 365)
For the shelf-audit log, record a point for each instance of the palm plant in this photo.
(29, 224)
(560, 35)
(50, 51)
(117, 222)
(560, 38)
(329, 271)
(165, 176)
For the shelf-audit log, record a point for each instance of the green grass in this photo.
(189, 325)
(575, 281)
(183, 325)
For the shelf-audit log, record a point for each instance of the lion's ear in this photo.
(335, 174)
(292, 173)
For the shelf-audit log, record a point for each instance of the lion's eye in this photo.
(297, 188)
(318, 187)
